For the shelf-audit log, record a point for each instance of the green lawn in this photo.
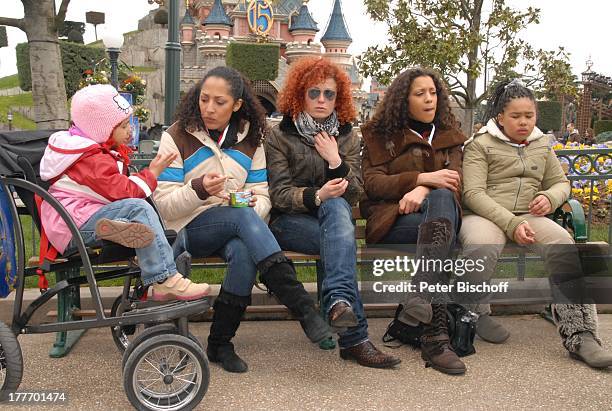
(20, 100)
(9, 82)
(143, 69)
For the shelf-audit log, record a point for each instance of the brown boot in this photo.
(368, 355)
(435, 345)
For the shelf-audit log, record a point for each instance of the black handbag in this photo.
(461, 325)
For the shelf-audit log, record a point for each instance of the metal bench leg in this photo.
(68, 300)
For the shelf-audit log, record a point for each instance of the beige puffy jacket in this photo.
(501, 178)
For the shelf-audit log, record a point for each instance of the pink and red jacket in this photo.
(84, 177)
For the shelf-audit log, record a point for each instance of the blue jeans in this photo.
(440, 203)
(156, 261)
(332, 236)
(239, 236)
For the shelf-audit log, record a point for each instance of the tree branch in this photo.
(7, 21)
(61, 14)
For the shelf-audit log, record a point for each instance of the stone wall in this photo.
(146, 48)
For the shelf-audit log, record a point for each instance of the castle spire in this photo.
(218, 16)
(336, 28)
(303, 20)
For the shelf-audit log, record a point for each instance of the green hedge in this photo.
(602, 126)
(257, 61)
(23, 66)
(76, 58)
(549, 115)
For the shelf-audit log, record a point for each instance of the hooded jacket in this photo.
(297, 171)
(180, 195)
(391, 168)
(84, 177)
(501, 178)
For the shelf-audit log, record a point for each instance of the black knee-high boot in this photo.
(278, 275)
(229, 309)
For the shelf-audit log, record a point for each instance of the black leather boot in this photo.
(229, 309)
(278, 275)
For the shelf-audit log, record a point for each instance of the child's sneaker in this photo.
(131, 235)
(178, 287)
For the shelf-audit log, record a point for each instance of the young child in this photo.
(87, 168)
(512, 179)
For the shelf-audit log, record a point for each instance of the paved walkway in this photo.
(531, 371)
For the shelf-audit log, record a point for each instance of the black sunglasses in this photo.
(314, 94)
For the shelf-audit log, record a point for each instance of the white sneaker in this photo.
(178, 287)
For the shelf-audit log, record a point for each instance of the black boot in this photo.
(278, 275)
(229, 309)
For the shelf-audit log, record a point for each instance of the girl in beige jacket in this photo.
(512, 180)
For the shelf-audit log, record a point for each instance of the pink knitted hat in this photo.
(96, 110)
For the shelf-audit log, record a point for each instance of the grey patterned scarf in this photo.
(308, 127)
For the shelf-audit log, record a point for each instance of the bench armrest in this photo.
(571, 215)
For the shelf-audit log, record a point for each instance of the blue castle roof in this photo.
(303, 20)
(187, 19)
(336, 29)
(218, 15)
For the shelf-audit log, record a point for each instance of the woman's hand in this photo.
(161, 162)
(214, 183)
(333, 188)
(524, 234)
(540, 206)
(412, 200)
(444, 178)
(253, 199)
(327, 147)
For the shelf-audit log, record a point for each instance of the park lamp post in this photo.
(173, 59)
(9, 117)
(113, 43)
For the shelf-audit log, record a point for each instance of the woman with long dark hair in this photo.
(412, 178)
(218, 138)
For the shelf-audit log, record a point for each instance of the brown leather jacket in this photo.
(296, 170)
(391, 167)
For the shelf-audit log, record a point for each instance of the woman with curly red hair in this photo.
(314, 177)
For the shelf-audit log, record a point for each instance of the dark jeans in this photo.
(238, 235)
(440, 203)
(332, 236)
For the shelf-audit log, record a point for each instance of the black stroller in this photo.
(164, 367)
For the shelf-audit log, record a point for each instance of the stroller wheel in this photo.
(166, 372)
(11, 362)
(160, 329)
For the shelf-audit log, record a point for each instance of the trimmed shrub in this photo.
(76, 58)
(23, 66)
(604, 137)
(257, 61)
(602, 126)
(549, 115)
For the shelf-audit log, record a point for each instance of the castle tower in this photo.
(187, 29)
(218, 23)
(303, 29)
(337, 38)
